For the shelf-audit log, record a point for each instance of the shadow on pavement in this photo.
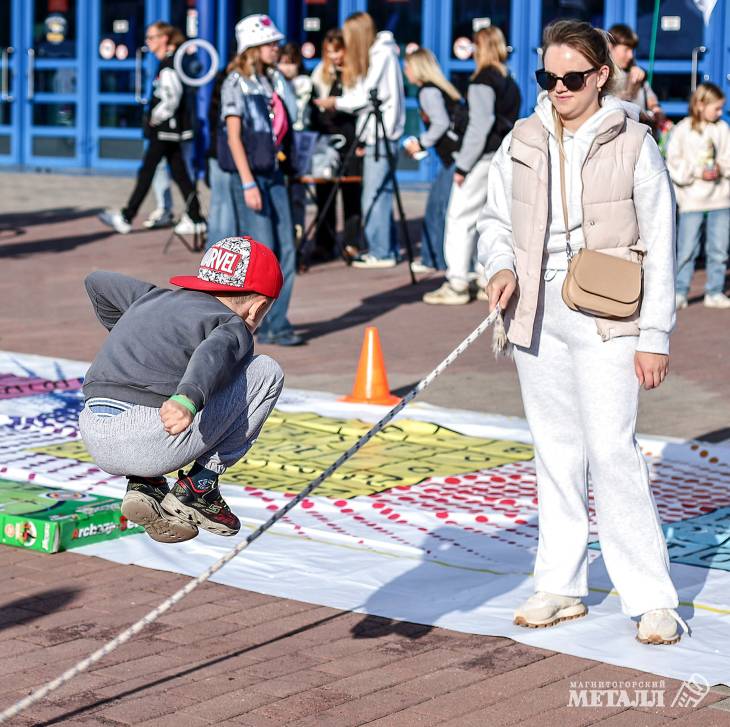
(55, 244)
(16, 220)
(369, 308)
(30, 608)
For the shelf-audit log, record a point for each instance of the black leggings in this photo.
(156, 151)
(351, 194)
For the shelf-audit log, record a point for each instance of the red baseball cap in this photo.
(236, 265)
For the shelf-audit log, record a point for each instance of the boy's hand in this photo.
(175, 417)
(651, 368)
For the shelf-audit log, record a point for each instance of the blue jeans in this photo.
(434, 220)
(717, 240)
(222, 214)
(271, 226)
(377, 202)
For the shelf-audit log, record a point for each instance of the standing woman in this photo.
(256, 126)
(494, 104)
(581, 173)
(327, 81)
(440, 106)
(168, 126)
(371, 63)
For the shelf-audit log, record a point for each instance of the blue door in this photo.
(49, 85)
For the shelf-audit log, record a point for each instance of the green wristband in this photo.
(180, 399)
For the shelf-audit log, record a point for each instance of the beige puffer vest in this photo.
(609, 216)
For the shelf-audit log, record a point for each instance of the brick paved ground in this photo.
(228, 656)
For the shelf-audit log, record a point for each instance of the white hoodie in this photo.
(385, 76)
(653, 200)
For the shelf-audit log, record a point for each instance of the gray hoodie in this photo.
(162, 342)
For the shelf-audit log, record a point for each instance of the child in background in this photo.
(439, 104)
(698, 159)
(176, 382)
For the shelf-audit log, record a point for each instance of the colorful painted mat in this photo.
(435, 521)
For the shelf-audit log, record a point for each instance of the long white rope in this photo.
(166, 605)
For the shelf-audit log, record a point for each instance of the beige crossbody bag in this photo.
(598, 284)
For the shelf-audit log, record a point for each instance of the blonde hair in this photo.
(425, 69)
(359, 33)
(174, 36)
(705, 93)
(247, 63)
(490, 50)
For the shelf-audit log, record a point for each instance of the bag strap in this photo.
(561, 154)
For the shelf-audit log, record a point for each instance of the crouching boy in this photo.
(176, 382)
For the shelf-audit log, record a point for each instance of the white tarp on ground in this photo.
(450, 551)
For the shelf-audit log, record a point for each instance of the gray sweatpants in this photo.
(581, 397)
(135, 442)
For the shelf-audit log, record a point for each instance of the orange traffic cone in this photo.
(371, 381)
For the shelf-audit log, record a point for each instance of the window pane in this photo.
(5, 23)
(121, 149)
(120, 116)
(317, 19)
(54, 114)
(62, 80)
(403, 18)
(53, 146)
(123, 23)
(54, 29)
(681, 28)
(116, 81)
(4, 144)
(471, 15)
(588, 10)
(672, 86)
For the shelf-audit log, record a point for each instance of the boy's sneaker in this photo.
(548, 609)
(660, 627)
(477, 289)
(680, 301)
(142, 505)
(418, 266)
(116, 220)
(159, 217)
(186, 226)
(373, 263)
(717, 300)
(202, 506)
(447, 295)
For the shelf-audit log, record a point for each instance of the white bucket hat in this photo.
(256, 30)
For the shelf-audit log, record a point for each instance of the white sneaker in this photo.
(477, 288)
(159, 217)
(548, 609)
(418, 267)
(447, 295)
(187, 227)
(115, 220)
(373, 263)
(680, 301)
(660, 627)
(717, 300)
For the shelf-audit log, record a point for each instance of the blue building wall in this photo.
(66, 106)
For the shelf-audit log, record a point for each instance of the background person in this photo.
(441, 108)
(494, 105)
(168, 125)
(698, 158)
(579, 374)
(371, 63)
(257, 126)
(339, 127)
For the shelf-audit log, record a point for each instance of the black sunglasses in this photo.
(573, 80)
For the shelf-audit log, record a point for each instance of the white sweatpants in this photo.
(581, 397)
(460, 234)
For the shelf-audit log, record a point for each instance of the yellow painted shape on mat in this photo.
(295, 447)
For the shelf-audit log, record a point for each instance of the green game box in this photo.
(51, 520)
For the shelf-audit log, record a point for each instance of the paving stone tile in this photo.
(236, 702)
